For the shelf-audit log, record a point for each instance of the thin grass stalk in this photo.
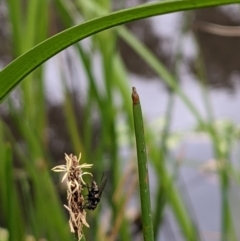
(222, 157)
(142, 168)
(122, 203)
(27, 206)
(71, 122)
(107, 52)
(108, 114)
(161, 201)
(15, 16)
(177, 58)
(40, 113)
(161, 197)
(14, 216)
(122, 80)
(226, 226)
(88, 131)
(4, 184)
(31, 19)
(28, 38)
(174, 198)
(225, 210)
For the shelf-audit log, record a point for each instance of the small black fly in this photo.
(94, 194)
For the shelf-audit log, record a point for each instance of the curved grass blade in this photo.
(23, 65)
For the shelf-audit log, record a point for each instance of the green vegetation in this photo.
(31, 139)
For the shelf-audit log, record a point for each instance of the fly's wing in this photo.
(102, 184)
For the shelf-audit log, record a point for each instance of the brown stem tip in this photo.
(135, 97)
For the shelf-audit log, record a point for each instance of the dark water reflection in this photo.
(220, 53)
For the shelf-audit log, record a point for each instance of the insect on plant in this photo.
(94, 193)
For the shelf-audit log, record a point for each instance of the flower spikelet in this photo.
(74, 175)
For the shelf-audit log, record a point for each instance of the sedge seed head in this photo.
(74, 177)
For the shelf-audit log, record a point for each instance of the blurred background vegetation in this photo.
(80, 101)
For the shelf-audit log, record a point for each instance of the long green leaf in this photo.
(22, 66)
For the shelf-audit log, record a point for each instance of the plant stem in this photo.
(142, 168)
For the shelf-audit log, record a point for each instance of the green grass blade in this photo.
(142, 169)
(15, 17)
(22, 66)
(14, 212)
(71, 122)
